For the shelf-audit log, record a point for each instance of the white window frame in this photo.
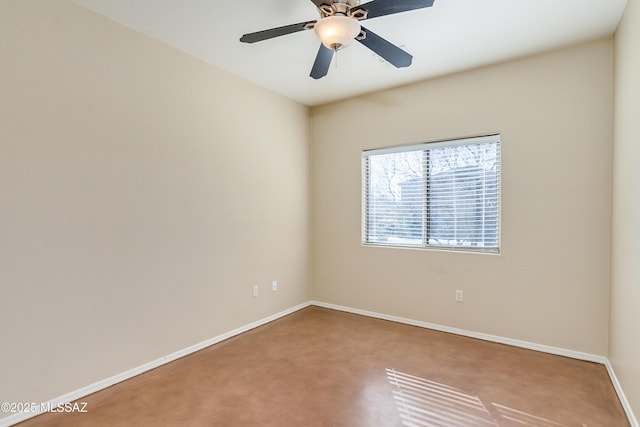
(494, 138)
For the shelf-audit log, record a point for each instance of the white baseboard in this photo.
(623, 399)
(502, 340)
(486, 337)
(100, 385)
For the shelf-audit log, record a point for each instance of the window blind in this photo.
(441, 195)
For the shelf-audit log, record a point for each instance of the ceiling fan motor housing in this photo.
(343, 8)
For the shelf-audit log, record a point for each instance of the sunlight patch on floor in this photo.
(426, 403)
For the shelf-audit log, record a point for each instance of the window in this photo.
(438, 195)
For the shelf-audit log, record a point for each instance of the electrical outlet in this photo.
(274, 285)
(256, 290)
(459, 296)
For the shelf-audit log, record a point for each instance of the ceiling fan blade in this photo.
(377, 8)
(322, 62)
(276, 32)
(387, 50)
(319, 3)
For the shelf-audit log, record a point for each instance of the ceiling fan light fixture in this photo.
(337, 31)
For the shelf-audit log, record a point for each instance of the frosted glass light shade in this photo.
(337, 31)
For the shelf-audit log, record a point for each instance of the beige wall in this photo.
(132, 224)
(550, 284)
(142, 194)
(624, 348)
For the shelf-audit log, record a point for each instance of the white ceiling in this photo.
(451, 36)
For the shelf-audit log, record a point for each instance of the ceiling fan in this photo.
(339, 24)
